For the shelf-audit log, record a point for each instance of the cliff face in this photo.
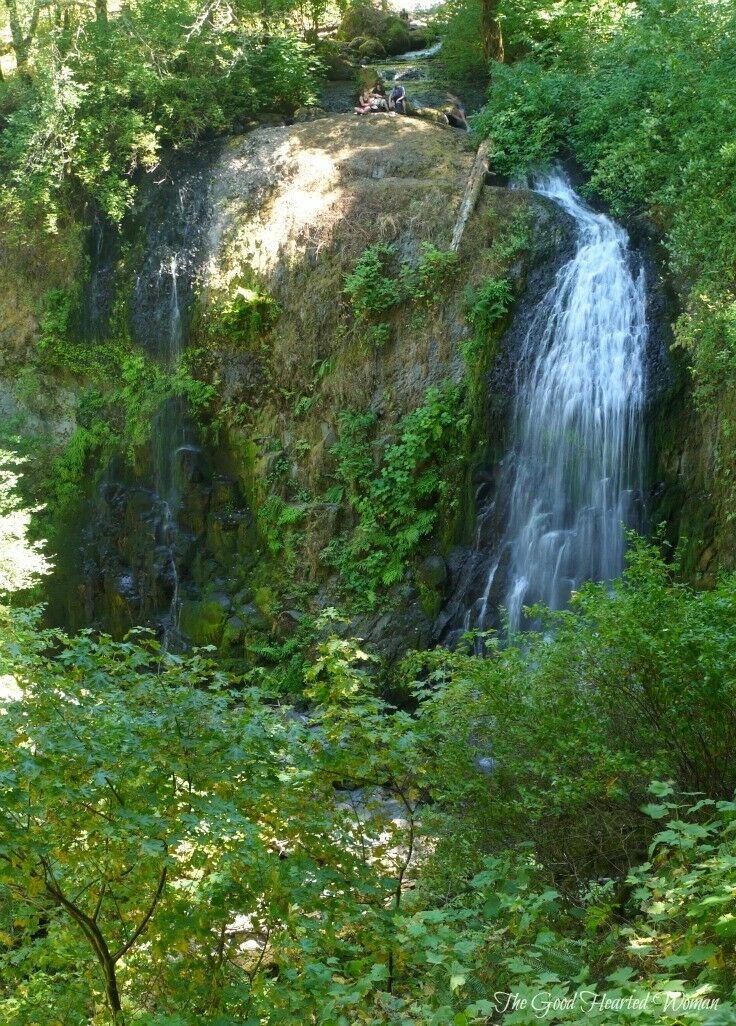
(294, 209)
(282, 364)
(365, 183)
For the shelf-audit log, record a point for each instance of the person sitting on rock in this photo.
(397, 98)
(364, 103)
(378, 96)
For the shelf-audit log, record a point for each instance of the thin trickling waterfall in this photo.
(573, 472)
(161, 318)
(140, 530)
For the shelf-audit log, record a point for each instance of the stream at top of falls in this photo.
(572, 476)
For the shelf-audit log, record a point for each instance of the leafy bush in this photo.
(377, 335)
(528, 115)
(245, 316)
(350, 852)
(372, 49)
(637, 683)
(398, 507)
(364, 20)
(95, 113)
(486, 306)
(462, 48)
(437, 269)
(397, 38)
(374, 287)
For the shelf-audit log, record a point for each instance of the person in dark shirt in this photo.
(378, 96)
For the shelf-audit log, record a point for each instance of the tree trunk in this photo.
(490, 31)
(101, 12)
(20, 40)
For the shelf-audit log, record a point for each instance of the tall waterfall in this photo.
(573, 472)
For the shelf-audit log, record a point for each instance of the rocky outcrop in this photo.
(289, 211)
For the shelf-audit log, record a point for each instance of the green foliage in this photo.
(170, 884)
(241, 863)
(511, 943)
(353, 453)
(373, 286)
(378, 283)
(377, 336)
(276, 522)
(528, 115)
(462, 49)
(22, 561)
(70, 471)
(244, 317)
(96, 111)
(362, 19)
(124, 389)
(638, 682)
(486, 306)
(397, 36)
(435, 273)
(397, 507)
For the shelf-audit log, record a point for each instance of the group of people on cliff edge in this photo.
(374, 100)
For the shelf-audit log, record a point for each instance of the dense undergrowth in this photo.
(105, 98)
(492, 849)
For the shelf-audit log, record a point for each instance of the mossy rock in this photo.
(362, 19)
(397, 38)
(367, 78)
(372, 48)
(420, 39)
(302, 114)
(231, 645)
(203, 622)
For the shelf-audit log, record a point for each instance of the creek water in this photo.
(572, 474)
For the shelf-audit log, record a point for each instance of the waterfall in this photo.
(162, 301)
(572, 475)
(140, 526)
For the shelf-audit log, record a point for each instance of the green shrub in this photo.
(485, 307)
(436, 271)
(377, 336)
(372, 48)
(396, 37)
(95, 113)
(362, 19)
(462, 48)
(245, 316)
(528, 115)
(631, 683)
(398, 507)
(374, 287)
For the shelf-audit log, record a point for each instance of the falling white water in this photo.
(573, 474)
